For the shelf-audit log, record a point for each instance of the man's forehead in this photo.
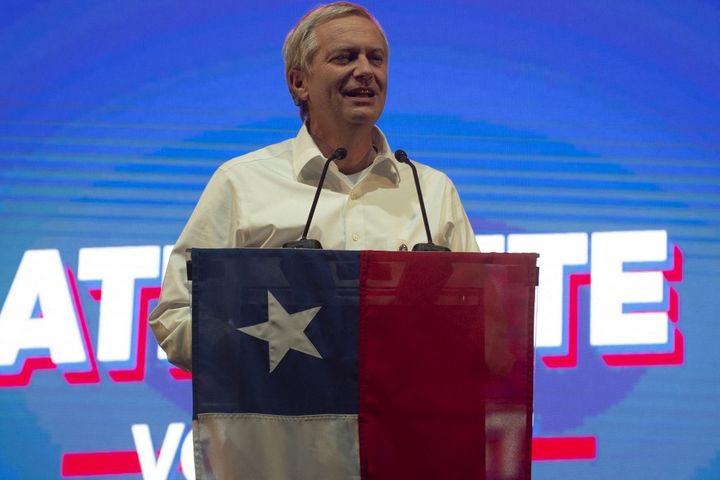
(350, 30)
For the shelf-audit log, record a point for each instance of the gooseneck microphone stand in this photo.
(305, 242)
(402, 157)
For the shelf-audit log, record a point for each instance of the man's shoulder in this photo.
(427, 173)
(277, 155)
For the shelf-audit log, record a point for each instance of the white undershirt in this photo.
(354, 178)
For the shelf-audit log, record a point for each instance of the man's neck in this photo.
(357, 141)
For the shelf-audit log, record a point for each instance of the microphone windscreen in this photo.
(401, 156)
(339, 153)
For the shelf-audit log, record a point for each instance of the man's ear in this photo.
(298, 84)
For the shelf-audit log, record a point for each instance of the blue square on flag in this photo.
(280, 332)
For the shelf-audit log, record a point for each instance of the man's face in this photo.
(348, 75)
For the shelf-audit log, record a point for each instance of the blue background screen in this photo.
(551, 118)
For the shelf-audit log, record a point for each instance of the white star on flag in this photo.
(284, 331)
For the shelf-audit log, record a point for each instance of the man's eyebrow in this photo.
(355, 48)
(342, 48)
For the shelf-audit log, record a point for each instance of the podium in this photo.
(318, 364)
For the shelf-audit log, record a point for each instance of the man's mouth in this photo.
(360, 93)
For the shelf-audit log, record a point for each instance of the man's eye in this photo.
(377, 59)
(341, 59)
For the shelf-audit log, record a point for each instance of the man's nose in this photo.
(363, 68)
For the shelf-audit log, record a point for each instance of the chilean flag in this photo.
(317, 364)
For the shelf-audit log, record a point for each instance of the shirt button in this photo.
(354, 195)
(355, 237)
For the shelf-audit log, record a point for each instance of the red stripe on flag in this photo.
(100, 463)
(421, 358)
(564, 448)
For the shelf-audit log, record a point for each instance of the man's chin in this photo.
(356, 117)
(363, 116)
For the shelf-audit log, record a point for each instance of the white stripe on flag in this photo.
(272, 447)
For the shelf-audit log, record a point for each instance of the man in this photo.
(336, 66)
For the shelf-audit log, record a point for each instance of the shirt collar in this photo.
(308, 160)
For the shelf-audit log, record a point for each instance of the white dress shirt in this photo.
(262, 199)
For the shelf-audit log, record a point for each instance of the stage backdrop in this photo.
(586, 131)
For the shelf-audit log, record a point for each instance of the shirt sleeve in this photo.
(211, 225)
(462, 236)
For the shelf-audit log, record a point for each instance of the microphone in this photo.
(304, 242)
(402, 157)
